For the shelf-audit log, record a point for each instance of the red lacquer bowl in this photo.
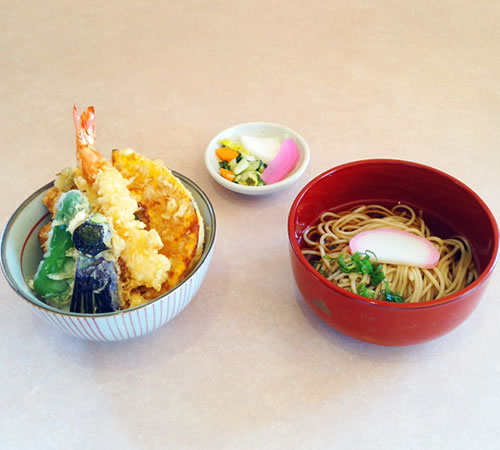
(449, 208)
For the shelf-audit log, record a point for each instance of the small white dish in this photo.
(260, 129)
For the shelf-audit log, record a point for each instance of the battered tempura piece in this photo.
(168, 207)
(138, 247)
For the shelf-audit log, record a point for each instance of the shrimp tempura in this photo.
(137, 247)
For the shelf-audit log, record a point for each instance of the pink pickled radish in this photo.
(392, 246)
(283, 163)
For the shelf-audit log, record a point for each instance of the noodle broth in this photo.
(326, 241)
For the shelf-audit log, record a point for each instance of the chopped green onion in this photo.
(362, 290)
(391, 296)
(360, 263)
(376, 276)
(346, 266)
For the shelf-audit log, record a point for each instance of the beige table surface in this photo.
(247, 365)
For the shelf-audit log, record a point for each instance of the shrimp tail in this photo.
(85, 126)
(89, 159)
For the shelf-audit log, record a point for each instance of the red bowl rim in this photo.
(382, 303)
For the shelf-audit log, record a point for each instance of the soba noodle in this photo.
(329, 238)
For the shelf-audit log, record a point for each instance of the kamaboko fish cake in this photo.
(165, 206)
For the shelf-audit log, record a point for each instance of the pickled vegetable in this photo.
(284, 162)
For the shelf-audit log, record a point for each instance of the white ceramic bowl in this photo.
(21, 253)
(261, 129)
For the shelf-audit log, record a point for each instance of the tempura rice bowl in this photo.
(21, 254)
